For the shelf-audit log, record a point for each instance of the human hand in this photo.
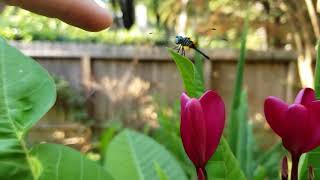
(85, 14)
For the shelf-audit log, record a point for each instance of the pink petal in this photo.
(297, 125)
(184, 127)
(274, 110)
(313, 126)
(214, 115)
(305, 96)
(193, 132)
(184, 98)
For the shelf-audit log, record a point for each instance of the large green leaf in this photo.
(223, 165)
(58, 162)
(134, 156)
(26, 93)
(161, 174)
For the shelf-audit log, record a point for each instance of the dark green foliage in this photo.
(72, 102)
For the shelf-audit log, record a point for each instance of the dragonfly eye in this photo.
(177, 39)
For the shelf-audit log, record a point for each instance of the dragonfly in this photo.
(182, 42)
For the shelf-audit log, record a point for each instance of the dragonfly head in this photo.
(178, 39)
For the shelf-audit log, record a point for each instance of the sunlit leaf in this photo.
(63, 163)
(192, 81)
(27, 92)
(132, 155)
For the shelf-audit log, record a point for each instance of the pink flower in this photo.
(202, 123)
(297, 124)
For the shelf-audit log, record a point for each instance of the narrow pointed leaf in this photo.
(191, 77)
(233, 123)
(198, 64)
(242, 149)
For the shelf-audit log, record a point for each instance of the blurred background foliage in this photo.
(273, 23)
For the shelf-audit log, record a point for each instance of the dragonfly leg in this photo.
(179, 48)
(176, 47)
(183, 52)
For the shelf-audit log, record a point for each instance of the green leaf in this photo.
(106, 137)
(233, 126)
(198, 64)
(249, 152)
(270, 160)
(223, 165)
(132, 155)
(243, 134)
(260, 173)
(27, 92)
(190, 76)
(63, 163)
(161, 174)
(310, 159)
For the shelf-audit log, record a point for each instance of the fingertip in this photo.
(98, 23)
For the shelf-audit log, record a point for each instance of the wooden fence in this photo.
(122, 81)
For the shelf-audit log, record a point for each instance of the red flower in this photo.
(202, 123)
(297, 124)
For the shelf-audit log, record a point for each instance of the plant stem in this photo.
(205, 174)
(202, 174)
(294, 169)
